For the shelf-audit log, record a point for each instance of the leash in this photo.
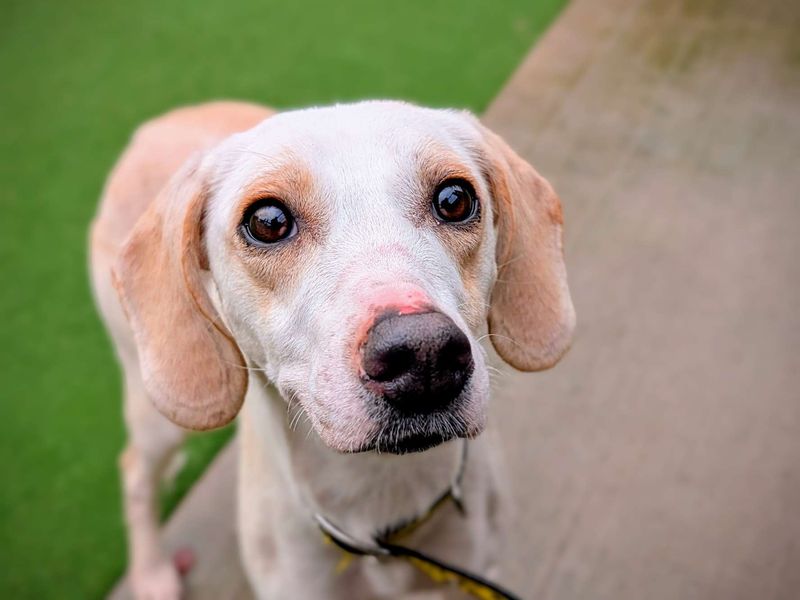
(382, 545)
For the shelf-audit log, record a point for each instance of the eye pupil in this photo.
(454, 202)
(269, 222)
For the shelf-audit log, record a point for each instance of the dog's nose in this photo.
(418, 362)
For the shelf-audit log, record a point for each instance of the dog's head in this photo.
(357, 255)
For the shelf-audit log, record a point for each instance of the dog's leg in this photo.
(152, 441)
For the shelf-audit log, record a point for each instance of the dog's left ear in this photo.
(531, 318)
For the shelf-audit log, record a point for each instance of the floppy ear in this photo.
(531, 317)
(193, 370)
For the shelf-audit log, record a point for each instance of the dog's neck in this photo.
(363, 493)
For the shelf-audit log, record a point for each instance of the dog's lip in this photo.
(419, 442)
(410, 443)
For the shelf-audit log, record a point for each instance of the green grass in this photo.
(77, 76)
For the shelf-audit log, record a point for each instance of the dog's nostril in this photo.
(421, 362)
(456, 354)
(388, 364)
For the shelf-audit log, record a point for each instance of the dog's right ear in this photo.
(193, 369)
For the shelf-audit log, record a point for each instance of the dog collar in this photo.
(382, 545)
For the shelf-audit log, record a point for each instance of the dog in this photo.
(329, 274)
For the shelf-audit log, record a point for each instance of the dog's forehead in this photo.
(346, 137)
(365, 123)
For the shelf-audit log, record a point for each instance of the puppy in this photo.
(330, 274)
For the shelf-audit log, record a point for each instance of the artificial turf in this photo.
(75, 79)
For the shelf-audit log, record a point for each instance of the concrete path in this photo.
(661, 459)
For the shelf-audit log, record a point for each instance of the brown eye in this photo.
(454, 201)
(269, 221)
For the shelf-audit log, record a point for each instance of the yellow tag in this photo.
(344, 561)
(439, 575)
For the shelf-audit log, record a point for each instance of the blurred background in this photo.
(660, 459)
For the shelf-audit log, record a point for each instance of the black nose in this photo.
(419, 362)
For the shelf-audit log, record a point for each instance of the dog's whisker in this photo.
(500, 335)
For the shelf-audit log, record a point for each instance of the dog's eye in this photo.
(454, 201)
(269, 221)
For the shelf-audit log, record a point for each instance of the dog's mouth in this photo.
(404, 435)
(409, 444)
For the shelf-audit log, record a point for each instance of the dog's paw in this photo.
(158, 582)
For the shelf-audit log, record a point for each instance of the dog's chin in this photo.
(407, 444)
(405, 436)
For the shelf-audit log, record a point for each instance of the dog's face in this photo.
(351, 253)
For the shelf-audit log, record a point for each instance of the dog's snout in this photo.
(417, 362)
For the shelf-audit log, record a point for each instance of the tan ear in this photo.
(193, 369)
(531, 317)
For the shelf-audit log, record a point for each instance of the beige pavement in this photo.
(661, 459)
